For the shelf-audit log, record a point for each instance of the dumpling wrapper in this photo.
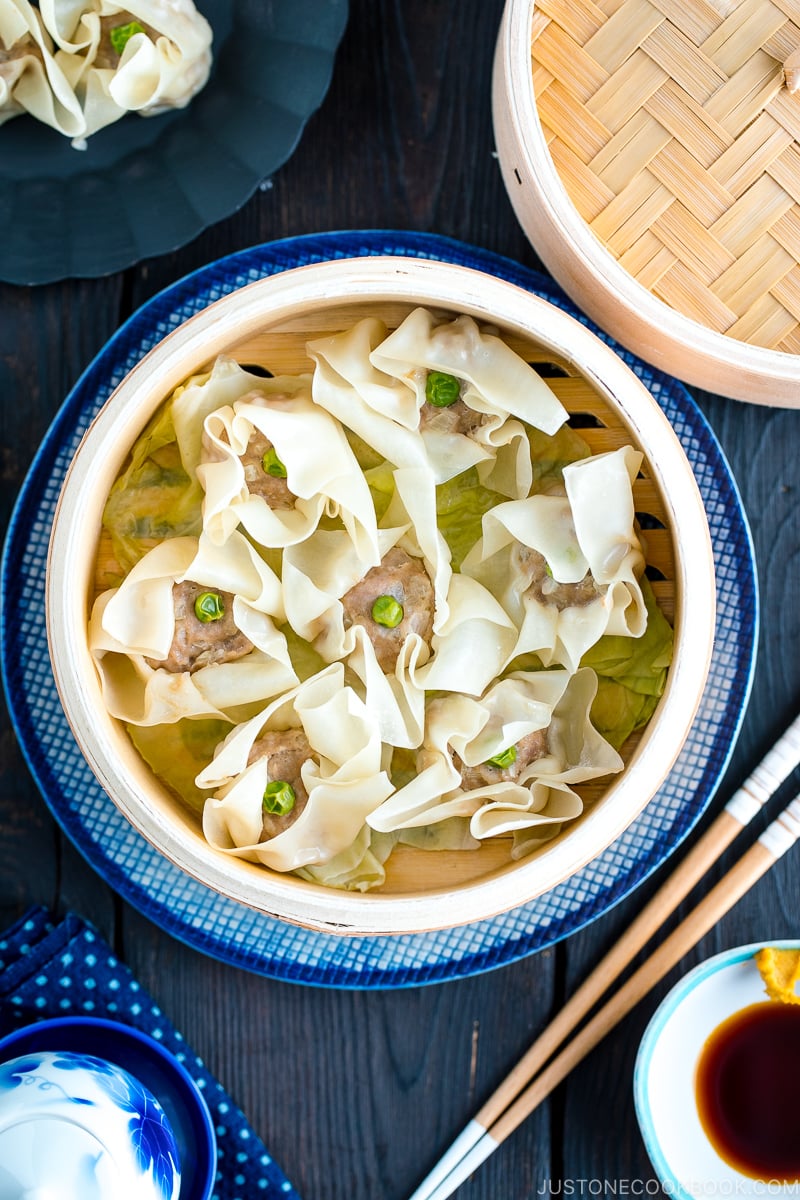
(19, 52)
(473, 644)
(498, 383)
(412, 507)
(31, 79)
(472, 634)
(357, 868)
(468, 648)
(379, 409)
(360, 866)
(316, 574)
(159, 69)
(534, 806)
(323, 568)
(136, 621)
(344, 785)
(186, 411)
(591, 529)
(201, 395)
(375, 384)
(384, 411)
(321, 469)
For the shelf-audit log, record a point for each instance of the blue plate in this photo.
(145, 186)
(228, 930)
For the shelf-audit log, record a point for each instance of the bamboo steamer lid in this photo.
(651, 150)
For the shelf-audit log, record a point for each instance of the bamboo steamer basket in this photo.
(651, 151)
(268, 323)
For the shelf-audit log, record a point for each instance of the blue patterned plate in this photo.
(249, 939)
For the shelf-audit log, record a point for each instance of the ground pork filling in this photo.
(543, 587)
(108, 55)
(444, 409)
(21, 48)
(514, 761)
(285, 750)
(455, 418)
(197, 643)
(13, 62)
(265, 474)
(400, 578)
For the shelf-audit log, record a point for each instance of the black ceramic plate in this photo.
(145, 186)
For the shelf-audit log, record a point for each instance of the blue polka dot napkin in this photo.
(65, 968)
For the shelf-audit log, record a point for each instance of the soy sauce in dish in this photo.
(748, 1097)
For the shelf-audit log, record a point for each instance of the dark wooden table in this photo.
(357, 1093)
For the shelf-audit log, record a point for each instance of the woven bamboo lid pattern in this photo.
(673, 128)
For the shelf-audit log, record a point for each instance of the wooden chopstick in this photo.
(501, 1112)
(773, 843)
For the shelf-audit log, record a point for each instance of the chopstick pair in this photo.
(535, 1076)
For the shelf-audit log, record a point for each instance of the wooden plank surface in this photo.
(384, 1080)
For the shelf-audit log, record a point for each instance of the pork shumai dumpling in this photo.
(147, 56)
(393, 600)
(205, 629)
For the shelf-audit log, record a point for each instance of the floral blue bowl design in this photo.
(83, 1126)
(164, 1120)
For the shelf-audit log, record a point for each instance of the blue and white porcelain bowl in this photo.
(81, 1128)
(154, 1070)
(685, 1161)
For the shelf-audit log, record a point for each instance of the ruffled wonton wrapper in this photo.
(587, 535)
(376, 384)
(365, 534)
(30, 78)
(533, 805)
(343, 778)
(321, 470)
(136, 622)
(146, 56)
(472, 635)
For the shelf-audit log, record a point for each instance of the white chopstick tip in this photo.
(470, 1135)
(743, 806)
(776, 766)
(791, 817)
(784, 831)
(462, 1171)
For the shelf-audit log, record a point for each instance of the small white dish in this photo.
(79, 1127)
(683, 1158)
